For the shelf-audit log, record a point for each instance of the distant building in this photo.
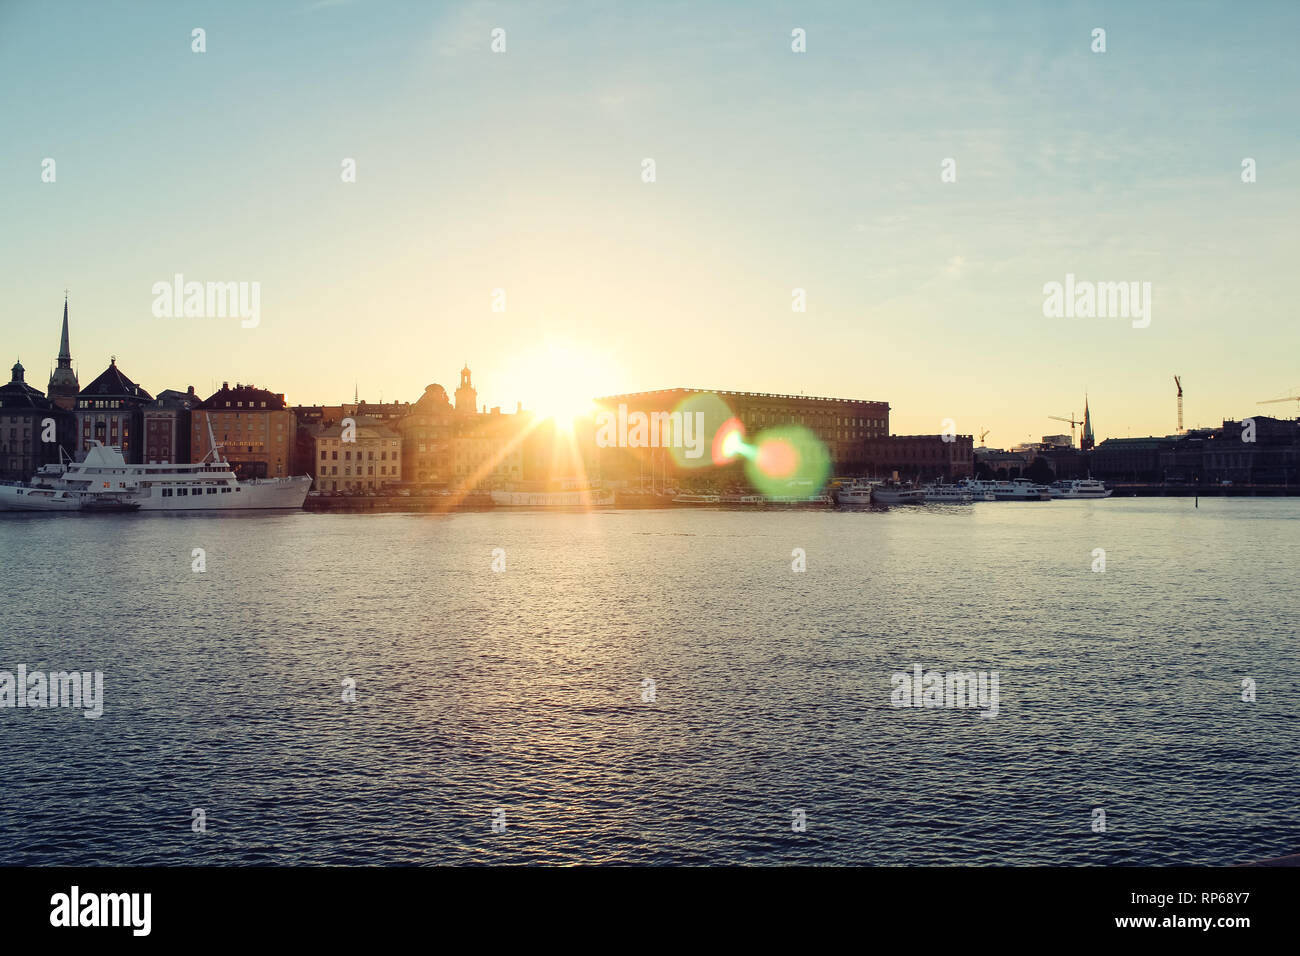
(466, 394)
(110, 410)
(167, 427)
(1272, 458)
(920, 457)
(1002, 464)
(371, 459)
(841, 424)
(487, 450)
(25, 415)
(254, 426)
(63, 388)
(427, 431)
(460, 448)
(1131, 459)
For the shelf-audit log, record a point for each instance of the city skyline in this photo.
(522, 171)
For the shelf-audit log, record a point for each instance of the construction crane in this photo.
(1289, 398)
(983, 432)
(1178, 382)
(1072, 420)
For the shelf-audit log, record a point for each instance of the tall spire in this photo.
(1087, 440)
(65, 352)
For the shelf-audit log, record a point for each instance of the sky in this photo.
(774, 170)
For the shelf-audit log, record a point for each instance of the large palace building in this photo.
(842, 424)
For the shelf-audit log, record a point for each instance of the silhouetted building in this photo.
(63, 388)
(167, 427)
(27, 418)
(920, 457)
(110, 410)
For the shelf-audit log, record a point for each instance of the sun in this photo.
(560, 379)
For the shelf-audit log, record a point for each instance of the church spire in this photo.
(1087, 439)
(65, 352)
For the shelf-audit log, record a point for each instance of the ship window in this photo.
(182, 491)
(225, 491)
(166, 492)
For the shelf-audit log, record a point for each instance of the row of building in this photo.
(438, 442)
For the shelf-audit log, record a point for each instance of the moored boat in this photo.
(1079, 488)
(888, 494)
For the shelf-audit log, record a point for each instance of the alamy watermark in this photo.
(954, 689)
(1098, 300)
(82, 690)
(622, 429)
(208, 300)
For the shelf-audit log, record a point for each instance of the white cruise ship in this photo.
(1079, 488)
(209, 485)
(1021, 489)
(953, 494)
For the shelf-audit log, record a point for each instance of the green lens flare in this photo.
(788, 460)
(701, 415)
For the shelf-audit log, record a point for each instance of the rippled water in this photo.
(522, 691)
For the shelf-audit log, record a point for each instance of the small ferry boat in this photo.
(1079, 488)
(952, 495)
(855, 494)
(1020, 489)
(888, 494)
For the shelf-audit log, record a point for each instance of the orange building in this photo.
(254, 427)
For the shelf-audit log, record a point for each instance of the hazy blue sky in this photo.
(775, 170)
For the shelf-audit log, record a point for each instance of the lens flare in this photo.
(788, 460)
(729, 442)
(703, 417)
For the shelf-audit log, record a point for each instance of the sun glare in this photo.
(561, 379)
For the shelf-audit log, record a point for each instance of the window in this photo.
(166, 492)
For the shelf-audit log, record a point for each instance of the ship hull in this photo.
(264, 494)
(25, 498)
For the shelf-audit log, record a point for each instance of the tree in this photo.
(1040, 472)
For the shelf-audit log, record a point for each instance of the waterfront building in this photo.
(254, 425)
(427, 432)
(167, 427)
(487, 450)
(1130, 459)
(1272, 458)
(63, 387)
(841, 424)
(110, 410)
(920, 457)
(25, 414)
(369, 458)
(459, 447)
